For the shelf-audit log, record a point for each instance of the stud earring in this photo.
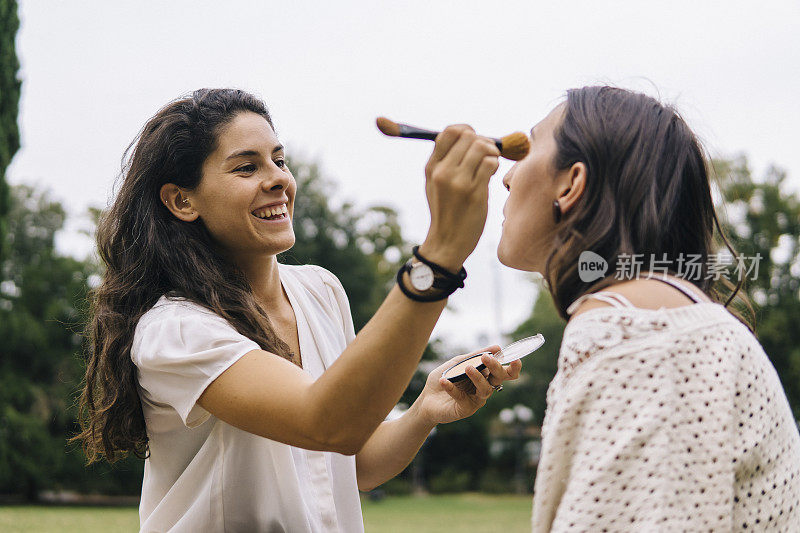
(556, 211)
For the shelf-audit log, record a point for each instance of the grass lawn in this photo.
(477, 513)
(431, 514)
(41, 519)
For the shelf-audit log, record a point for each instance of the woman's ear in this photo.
(574, 185)
(175, 199)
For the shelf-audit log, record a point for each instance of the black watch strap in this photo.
(457, 278)
(445, 282)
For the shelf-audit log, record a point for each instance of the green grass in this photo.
(39, 519)
(432, 514)
(459, 512)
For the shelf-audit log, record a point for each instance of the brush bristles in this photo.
(515, 146)
(388, 127)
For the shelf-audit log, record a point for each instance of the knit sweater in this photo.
(666, 420)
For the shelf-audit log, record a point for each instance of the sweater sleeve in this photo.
(636, 434)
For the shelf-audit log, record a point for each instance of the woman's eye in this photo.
(246, 168)
(281, 163)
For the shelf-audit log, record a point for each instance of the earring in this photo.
(556, 211)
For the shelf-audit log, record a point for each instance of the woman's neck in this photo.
(262, 273)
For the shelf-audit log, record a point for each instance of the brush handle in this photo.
(413, 132)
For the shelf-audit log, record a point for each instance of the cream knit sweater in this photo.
(666, 420)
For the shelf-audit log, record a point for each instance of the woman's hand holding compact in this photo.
(442, 401)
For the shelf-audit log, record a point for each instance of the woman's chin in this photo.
(286, 246)
(278, 246)
(510, 260)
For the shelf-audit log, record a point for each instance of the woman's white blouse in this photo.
(205, 475)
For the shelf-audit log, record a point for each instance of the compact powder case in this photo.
(512, 352)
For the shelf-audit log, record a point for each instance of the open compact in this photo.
(512, 352)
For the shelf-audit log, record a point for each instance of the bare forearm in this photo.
(391, 449)
(372, 373)
(369, 377)
(340, 410)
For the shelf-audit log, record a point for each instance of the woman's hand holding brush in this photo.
(457, 188)
(457, 175)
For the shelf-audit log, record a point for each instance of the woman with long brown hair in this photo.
(239, 379)
(665, 413)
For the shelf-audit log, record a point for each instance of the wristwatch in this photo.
(421, 276)
(431, 280)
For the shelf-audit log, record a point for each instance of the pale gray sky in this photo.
(93, 72)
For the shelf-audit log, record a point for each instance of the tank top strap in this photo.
(612, 298)
(688, 292)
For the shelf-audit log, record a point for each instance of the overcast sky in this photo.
(94, 72)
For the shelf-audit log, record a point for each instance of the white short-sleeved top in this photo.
(206, 475)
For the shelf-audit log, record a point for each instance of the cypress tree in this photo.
(9, 105)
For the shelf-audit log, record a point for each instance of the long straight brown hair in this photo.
(647, 192)
(147, 252)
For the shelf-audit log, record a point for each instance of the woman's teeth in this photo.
(272, 212)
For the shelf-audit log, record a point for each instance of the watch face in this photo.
(421, 277)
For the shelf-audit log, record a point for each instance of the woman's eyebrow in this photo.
(250, 152)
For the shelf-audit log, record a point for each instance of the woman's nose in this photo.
(275, 178)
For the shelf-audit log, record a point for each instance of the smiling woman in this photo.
(246, 197)
(241, 380)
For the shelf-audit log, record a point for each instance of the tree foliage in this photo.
(539, 367)
(42, 311)
(762, 220)
(363, 247)
(9, 104)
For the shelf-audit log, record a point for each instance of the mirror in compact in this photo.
(517, 350)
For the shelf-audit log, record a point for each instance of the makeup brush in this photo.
(513, 146)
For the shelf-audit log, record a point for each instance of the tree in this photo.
(763, 223)
(33, 350)
(539, 368)
(363, 247)
(42, 302)
(9, 105)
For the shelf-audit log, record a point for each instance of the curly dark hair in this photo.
(147, 252)
(647, 192)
